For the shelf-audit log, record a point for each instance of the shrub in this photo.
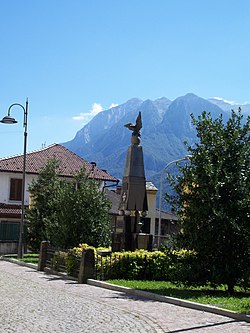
(71, 258)
(137, 265)
(184, 269)
(174, 266)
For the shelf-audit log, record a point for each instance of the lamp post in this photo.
(10, 120)
(187, 157)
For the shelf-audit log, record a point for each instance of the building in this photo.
(151, 221)
(169, 225)
(11, 172)
(148, 221)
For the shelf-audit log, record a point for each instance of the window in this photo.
(16, 189)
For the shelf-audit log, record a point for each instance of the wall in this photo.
(11, 246)
(5, 187)
(8, 247)
(151, 196)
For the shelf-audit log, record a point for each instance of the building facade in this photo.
(11, 177)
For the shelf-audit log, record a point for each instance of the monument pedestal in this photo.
(127, 235)
(131, 242)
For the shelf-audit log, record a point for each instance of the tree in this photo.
(42, 194)
(212, 200)
(67, 213)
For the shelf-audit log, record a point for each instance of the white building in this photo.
(11, 173)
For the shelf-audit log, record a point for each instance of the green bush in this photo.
(174, 266)
(184, 268)
(137, 265)
(71, 259)
(72, 262)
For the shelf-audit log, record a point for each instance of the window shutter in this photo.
(16, 189)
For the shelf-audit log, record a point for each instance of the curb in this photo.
(18, 262)
(172, 300)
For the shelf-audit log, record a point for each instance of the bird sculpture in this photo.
(135, 129)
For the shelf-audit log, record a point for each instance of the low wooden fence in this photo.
(54, 260)
(102, 264)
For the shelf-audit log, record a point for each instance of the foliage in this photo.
(71, 258)
(145, 265)
(67, 212)
(42, 192)
(137, 265)
(212, 200)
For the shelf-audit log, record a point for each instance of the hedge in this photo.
(172, 266)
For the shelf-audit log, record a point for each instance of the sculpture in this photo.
(136, 130)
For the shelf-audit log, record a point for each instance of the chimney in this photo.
(93, 165)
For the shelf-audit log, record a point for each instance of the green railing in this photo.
(9, 231)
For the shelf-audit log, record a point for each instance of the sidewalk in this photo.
(34, 302)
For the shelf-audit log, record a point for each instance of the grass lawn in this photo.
(239, 302)
(31, 258)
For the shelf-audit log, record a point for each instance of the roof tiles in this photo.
(70, 163)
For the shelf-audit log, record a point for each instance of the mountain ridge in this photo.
(166, 125)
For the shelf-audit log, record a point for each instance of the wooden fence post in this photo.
(43, 255)
(87, 266)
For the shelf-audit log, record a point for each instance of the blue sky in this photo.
(73, 58)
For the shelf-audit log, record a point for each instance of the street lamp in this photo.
(187, 157)
(10, 120)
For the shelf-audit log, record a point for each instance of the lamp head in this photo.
(188, 157)
(8, 120)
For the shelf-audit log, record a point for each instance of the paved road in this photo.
(31, 301)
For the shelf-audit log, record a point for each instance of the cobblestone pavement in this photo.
(31, 301)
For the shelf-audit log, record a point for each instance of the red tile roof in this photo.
(70, 163)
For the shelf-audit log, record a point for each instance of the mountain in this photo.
(228, 106)
(85, 140)
(224, 105)
(166, 125)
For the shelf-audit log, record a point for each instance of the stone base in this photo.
(131, 241)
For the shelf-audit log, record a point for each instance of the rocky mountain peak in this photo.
(166, 125)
